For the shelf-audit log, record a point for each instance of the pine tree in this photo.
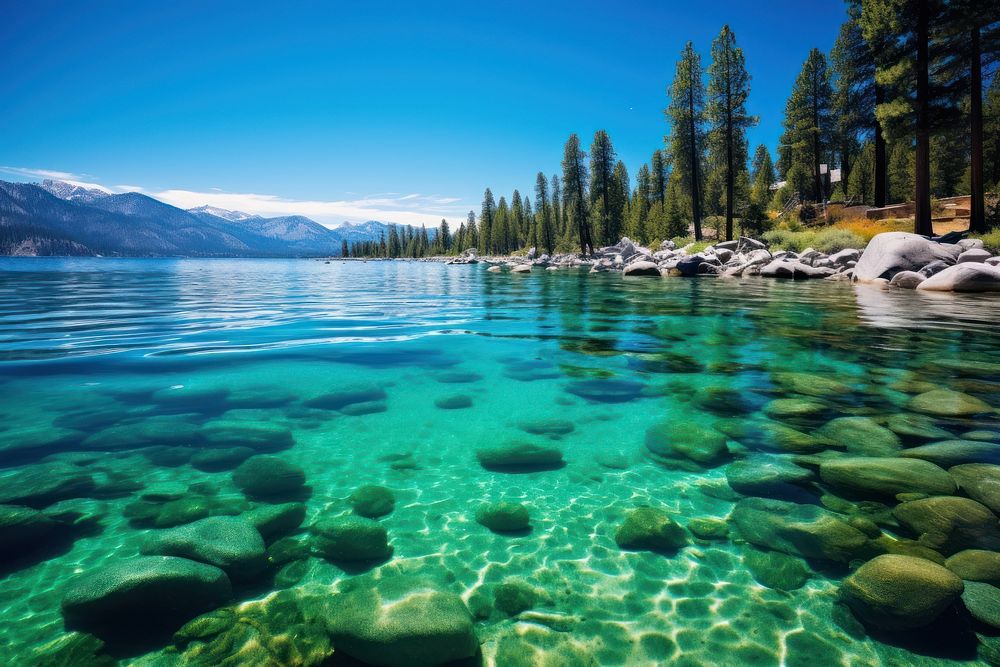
(344, 250)
(685, 113)
(444, 237)
(726, 110)
(763, 177)
(618, 201)
(638, 212)
(486, 222)
(516, 231)
(861, 186)
(807, 125)
(498, 230)
(659, 172)
(545, 214)
(575, 193)
(558, 210)
(602, 164)
(472, 234)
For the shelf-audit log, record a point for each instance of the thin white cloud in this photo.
(411, 209)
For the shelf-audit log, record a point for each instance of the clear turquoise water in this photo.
(174, 346)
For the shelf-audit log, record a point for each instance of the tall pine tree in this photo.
(574, 181)
(686, 116)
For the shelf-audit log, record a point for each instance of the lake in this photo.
(131, 390)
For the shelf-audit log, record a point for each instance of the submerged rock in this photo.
(811, 385)
(976, 565)
(341, 399)
(42, 484)
(948, 403)
(886, 476)
(650, 529)
(284, 629)
(554, 428)
(686, 445)
(775, 569)
(400, 620)
(899, 592)
(258, 436)
(949, 523)
(768, 476)
(520, 457)
(351, 538)
(73, 649)
(504, 517)
(786, 408)
(216, 459)
(273, 521)
(23, 529)
(150, 593)
(457, 402)
(513, 596)
(908, 424)
(268, 476)
(372, 501)
(979, 481)
(801, 530)
(983, 602)
(606, 391)
(955, 452)
(229, 543)
(860, 435)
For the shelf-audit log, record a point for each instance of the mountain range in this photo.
(58, 218)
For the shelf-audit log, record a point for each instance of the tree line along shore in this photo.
(905, 109)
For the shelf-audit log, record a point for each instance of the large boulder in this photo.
(949, 524)
(861, 436)
(899, 592)
(968, 277)
(642, 268)
(982, 600)
(955, 452)
(768, 476)
(891, 252)
(351, 538)
(976, 565)
(800, 530)
(23, 529)
(372, 501)
(948, 403)
(42, 484)
(230, 543)
(886, 476)
(520, 457)
(504, 517)
(268, 477)
(400, 620)
(979, 481)
(650, 529)
(686, 445)
(149, 593)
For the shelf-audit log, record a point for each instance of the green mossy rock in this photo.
(42, 484)
(258, 436)
(73, 649)
(899, 592)
(976, 565)
(268, 476)
(811, 385)
(767, 475)
(800, 530)
(342, 399)
(148, 593)
(983, 602)
(911, 425)
(456, 402)
(775, 569)
(553, 428)
(23, 529)
(520, 457)
(650, 529)
(229, 543)
(708, 528)
(979, 481)
(886, 476)
(216, 459)
(514, 596)
(284, 629)
(861, 436)
(686, 445)
(400, 620)
(950, 524)
(351, 538)
(274, 521)
(504, 517)
(950, 453)
(948, 403)
(372, 501)
(790, 408)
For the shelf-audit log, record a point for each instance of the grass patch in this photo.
(866, 229)
(990, 239)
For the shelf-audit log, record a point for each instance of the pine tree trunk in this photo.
(730, 177)
(880, 154)
(922, 204)
(695, 194)
(817, 178)
(977, 219)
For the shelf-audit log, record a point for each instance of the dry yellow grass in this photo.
(866, 228)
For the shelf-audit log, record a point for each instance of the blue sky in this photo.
(346, 110)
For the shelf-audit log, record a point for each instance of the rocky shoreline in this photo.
(892, 259)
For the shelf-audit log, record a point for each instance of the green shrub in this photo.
(833, 240)
(991, 240)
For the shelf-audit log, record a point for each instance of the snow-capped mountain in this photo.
(54, 217)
